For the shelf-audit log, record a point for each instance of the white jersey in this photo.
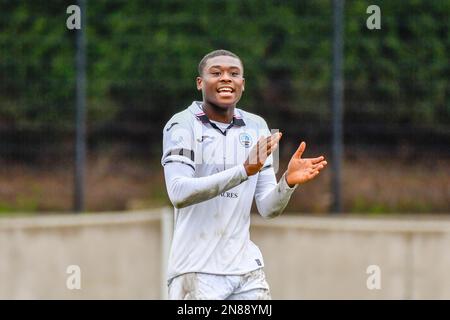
(212, 195)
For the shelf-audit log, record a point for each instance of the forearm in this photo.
(274, 197)
(185, 190)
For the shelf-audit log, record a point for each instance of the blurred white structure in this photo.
(124, 255)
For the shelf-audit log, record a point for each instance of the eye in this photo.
(235, 74)
(215, 73)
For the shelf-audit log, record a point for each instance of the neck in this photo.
(218, 114)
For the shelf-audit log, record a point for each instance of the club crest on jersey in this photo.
(245, 139)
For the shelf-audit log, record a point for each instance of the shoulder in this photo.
(252, 119)
(181, 119)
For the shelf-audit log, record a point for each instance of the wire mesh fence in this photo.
(142, 61)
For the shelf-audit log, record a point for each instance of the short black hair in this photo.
(216, 53)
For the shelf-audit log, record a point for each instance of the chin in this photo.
(224, 105)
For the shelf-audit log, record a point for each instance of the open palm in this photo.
(302, 170)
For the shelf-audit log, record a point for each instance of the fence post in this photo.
(337, 104)
(80, 134)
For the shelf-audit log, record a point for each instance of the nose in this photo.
(225, 77)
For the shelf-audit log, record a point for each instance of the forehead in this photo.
(224, 61)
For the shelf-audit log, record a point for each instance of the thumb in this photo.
(300, 150)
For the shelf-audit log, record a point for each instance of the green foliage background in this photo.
(143, 55)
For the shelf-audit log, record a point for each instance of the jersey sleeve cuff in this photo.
(284, 185)
(243, 173)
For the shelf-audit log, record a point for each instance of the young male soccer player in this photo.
(212, 178)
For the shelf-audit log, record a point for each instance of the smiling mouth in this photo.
(225, 90)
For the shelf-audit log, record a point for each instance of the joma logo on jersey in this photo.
(229, 195)
(245, 139)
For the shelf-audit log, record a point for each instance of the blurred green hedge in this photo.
(143, 55)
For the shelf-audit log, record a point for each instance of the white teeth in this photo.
(225, 90)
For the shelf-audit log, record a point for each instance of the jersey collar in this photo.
(196, 109)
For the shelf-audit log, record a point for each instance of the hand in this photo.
(258, 155)
(302, 170)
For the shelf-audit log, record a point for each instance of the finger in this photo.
(261, 142)
(272, 149)
(260, 150)
(300, 150)
(266, 148)
(314, 174)
(320, 165)
(263, 147)
(274, 138)
(272, 142)
(317, 160)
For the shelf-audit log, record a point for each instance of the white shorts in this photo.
(205, 286)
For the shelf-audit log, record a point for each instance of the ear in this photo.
(199, 82)
(243, 84)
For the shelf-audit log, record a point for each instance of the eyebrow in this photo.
(232, 67)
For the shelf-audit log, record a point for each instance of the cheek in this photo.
(210, 85)
(240, 84)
